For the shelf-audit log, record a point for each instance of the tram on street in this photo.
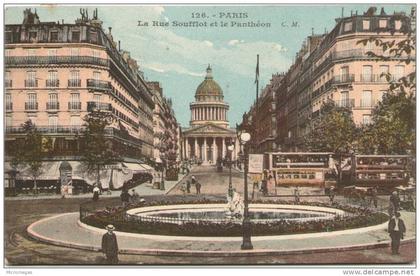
(314, 169)
(384, 171)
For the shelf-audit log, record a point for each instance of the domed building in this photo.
(209, 134)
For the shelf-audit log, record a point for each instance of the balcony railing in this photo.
(53, 106)
(31, 106)
(31, 83)
(74, 83)
(368, 103)
(340, 79)
(52, 83)
(75, 105)
(69, 129)
(91, 106)
(9, 106)
(21, 60)
(8, 83)
(345, 103)
(49, 129)
(98, 84)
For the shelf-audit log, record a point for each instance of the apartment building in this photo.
(56, 73)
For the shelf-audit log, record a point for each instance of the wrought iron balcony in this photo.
(31, 106)
(91, 106)
(52, 83)
(345, 103)
(56, 129)
(341, 79)
(31, 83)
(74, 83)
(367, 103)
(12, 61)
(53, 106)
(98, 84)
(75, 105)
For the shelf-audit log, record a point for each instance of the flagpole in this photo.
(257, 80)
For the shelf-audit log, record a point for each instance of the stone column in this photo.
(187, 147)
(205, 150)
(223, 147)
(195, 147)
(214, 152)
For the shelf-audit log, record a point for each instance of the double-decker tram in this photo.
(385, 171)
(314, 169)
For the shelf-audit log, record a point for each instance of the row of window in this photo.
(366, 74)
(53, 52)
(382, 24)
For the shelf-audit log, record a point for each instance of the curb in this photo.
(203, 253)
(173, 187)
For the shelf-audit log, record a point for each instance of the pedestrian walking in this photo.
(394, 202)
(134, 196)
(331, 194)
(396, 230)
(297, 195)
(188, 187)
(96, 192)
(375, 196)
(198, 187)
(125, 197)
(110, 245)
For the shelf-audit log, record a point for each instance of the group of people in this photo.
(186, 187)
(127, 198)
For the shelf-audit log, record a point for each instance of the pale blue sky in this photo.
(177, 57)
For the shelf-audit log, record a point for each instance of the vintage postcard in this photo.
(209, 135)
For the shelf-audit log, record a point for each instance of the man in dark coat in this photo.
(125, 197)
(188, 186)
(110, 245)
(396, 230)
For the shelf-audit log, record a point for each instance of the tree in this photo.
(393, 126)
(31, 151)
(97, 151)
(334, 131)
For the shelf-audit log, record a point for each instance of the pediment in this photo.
(209, 129)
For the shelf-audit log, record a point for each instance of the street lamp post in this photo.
(230, 190)
(244, 137)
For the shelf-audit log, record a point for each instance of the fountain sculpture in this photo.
(235, 205)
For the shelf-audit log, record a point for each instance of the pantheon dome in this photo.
(209, 106)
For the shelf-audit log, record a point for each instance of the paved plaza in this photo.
(55, 235)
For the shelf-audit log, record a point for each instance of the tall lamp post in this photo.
(243, 138)
(230, 190)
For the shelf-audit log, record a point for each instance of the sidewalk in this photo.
(65, 230)
(144, 189)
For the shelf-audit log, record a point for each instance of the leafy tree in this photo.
(393, 127)
(31, 151)
(97, 151)
(334, 131)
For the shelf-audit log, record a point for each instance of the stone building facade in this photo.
(209, 134)
(56, 73)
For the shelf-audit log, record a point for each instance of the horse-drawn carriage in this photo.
(407, 197)
(364, 196)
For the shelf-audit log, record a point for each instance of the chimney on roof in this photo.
(383, 11)
(119, 45)
(109, 29)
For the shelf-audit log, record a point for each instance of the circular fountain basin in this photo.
(259, 213)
